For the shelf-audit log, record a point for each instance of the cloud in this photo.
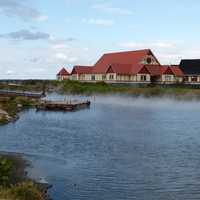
(111, 9)
(42, 18)
(167, 52)
(10, 72)
(57, 43)
(19, 8)
(135, 45)
(26, 35)
(99, 22)
(64, 57)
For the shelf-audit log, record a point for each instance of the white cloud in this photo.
(111, 9)
(64, 57)
(99, 22)
(42, 18)
(165, 45)
(167, 52)
(10, 72)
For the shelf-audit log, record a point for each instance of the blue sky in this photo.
(38, 37)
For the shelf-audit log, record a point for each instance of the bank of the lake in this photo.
(14, 182)
(11, 106)
(74, 87)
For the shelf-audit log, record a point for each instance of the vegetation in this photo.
(175, 91)
(12, 106)
(13, 183)
(21, 191)
(75, 87)
(5, 171)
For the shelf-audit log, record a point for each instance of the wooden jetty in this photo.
(62, 105)
(10, 93)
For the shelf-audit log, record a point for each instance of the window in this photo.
(103, 77)
(111, 77)
(143, 78)
(82, 77)
(149, 60)
(186, 79)
(194, 79)
(93, 77)
(168, 78)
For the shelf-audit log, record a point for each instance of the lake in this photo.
(122, 148)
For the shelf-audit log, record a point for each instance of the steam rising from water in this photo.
(165, 102)
(154, 103)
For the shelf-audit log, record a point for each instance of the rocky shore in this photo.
(10, 107)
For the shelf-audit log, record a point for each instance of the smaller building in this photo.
(63, 74)
(191, 70)
(81, 73)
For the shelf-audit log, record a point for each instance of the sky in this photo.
(38, 37)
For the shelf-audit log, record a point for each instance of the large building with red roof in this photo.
(128, 67)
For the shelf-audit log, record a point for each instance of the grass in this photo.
(178, 91)
(12, 105)
(21, 191)
(75, 87)
(13, 183)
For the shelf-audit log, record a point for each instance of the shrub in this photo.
(22, 191)
(5, 171)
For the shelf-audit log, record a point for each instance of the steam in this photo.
(149, 103)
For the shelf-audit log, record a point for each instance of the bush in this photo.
(5, 171)
(22, 191)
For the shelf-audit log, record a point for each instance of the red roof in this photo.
(156, 70)
(120, 68)
(63, 72)
(176, 70)
(82, 69)
(132, 58)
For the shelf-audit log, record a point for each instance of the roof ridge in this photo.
(131, 51)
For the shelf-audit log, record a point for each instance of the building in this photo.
(81, 73)
(128, 67)
(117, 67)
(63, 74)
(191, 70)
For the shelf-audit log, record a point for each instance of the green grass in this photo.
(13, 181)
(5, 171)
(21, 191)
(75, 87)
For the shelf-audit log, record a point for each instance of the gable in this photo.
(63, 72)
(149, 60)
(169, 71)
(74, 71)
(143, 71)
(110, 70)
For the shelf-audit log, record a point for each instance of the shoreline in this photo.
(19, 173)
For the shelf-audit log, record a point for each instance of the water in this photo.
(120, 149)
